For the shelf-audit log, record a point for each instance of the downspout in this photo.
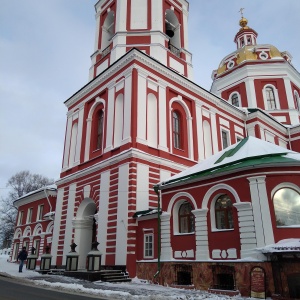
(289, 131)
(48, 202)
(157, 191)
(245, 122)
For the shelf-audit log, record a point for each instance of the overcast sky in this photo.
(45, 49)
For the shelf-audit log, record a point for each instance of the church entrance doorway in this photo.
(85, 230)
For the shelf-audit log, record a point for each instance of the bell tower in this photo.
(156, 27)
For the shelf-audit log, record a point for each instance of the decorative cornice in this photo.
(131, 153)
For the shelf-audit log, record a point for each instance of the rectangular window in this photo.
(16, 251)
(40, 212)
(37, 247)
(29, 215)
(225, 139)
(20, 217)
(148, 245)
(26, 245)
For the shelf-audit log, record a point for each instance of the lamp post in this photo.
(46, 259)
(31, 260)
(94, 258)
(72, 259)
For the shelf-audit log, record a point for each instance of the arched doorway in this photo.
(84, 225)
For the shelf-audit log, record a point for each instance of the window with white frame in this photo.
(176, 130)
(148, 245)
(40, 212)
(235, 99)
(225, 138)
(29, 215)
(20, 217)
(186, 218)
(270, 98)
(37, 247)
(223, 212)
(287, 207)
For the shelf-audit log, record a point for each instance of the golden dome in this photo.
(243, 23)
(247, 53)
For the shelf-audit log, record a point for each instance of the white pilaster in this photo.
(141, 106)
(289, 93)
(201, 232)
(57, 224)
(199, 123)
(79, 134)
(127, 107)
(162, 112)
(214, 131)
(247, 230)
(261, 211)
(250, 91)
(67, 140)
(103, 213)
(110, 117)
(69, 218)
(122, 216)
(166, 249)
(190, 138)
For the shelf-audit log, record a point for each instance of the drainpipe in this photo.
(157, 191)
(289, 131)
(48, 201)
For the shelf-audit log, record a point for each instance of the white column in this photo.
(162, 114)
(141, 107)
(261, 211)
(166, 249)
(127, 107)
(110, 117)
(201, 232)
(83, 239)
(250, 91)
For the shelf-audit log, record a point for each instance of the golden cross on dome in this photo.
(241, 11)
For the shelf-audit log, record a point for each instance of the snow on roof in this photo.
(51, 187)
(287, 245)
(250, 148)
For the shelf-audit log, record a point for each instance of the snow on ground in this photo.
(137, 289)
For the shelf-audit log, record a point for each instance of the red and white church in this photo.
(224, 163)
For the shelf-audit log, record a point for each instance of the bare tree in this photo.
(21, 184)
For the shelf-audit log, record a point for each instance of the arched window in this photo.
(235, 100)
(100, 115)
(172, 30)
(287, 207)
(186, 218)
(177, 140)
(223, 212)
(108, 30)
(270, 97)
